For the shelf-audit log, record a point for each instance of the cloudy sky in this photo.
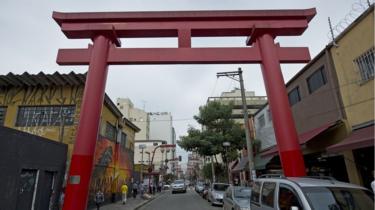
(29, 40)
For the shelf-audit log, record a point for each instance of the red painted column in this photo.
(83, 153)
(283, 123)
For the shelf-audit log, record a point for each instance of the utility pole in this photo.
(249, 144)
(142, 147)
(213, 169)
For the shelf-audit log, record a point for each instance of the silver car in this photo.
(179, 186)
(237, 198)
(300, 193)
(216, 193)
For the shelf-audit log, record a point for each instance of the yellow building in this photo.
(48, 105)
(353, 58)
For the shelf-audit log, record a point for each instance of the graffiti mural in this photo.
(113, 167)
(41, 96)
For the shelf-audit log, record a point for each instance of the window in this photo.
(365, 64)
(268, 193)
(123, 139)
(110, 131)
(294, 96)
(288, 198)
(2, 115)
(45, 115)
(316, 80)
(255, 194)
(261, 121)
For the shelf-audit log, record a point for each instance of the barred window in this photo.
(110, 131)
(365, 64)
(2, 115)
(294, 96)
(45, 115)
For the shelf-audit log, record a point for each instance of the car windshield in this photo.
(220, 187)
(242, 193)
(179, 182)
(339, 198)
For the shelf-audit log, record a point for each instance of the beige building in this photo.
(353, 58)
(137, 116)
(149, 148)
(254, 103)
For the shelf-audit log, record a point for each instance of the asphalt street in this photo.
(180, 201)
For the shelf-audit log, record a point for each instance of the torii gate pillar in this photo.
(283, 123)
(105, 28)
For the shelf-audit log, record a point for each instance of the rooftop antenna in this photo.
(331, 30)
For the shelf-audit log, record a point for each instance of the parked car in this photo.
(179, 186)
(166, 187)
(216, 193)
(302, 193)
(199, 187)
(237, 198)
(205, 191)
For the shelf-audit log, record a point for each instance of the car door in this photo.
(228, 199)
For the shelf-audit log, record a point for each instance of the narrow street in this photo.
(181, 201)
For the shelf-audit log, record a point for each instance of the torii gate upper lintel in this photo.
(107, 28)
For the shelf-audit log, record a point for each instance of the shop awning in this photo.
(261, 162)
(360, 138)
(241, 165)
(302, 138)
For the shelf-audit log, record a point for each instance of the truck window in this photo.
(255, 194)
(268, 193)
(288, 198)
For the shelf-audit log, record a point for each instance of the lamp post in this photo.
(226, 145)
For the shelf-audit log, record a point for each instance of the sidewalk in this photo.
(131, 204)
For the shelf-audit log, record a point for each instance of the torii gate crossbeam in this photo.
(106, 28)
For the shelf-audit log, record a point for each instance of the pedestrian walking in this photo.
(99, 199)
(124, 191)
(135, 189)
(141, 189)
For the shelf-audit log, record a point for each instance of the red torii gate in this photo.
(105, 29)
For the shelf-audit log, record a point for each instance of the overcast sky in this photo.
(29, 40)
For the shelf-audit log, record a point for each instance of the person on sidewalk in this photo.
(135, 189)
(124, 191)
(99, 199)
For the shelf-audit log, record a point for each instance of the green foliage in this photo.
(218, 128)
(220, 172)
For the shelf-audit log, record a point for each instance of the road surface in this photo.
(180, 201)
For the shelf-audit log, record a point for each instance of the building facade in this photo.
(137, 116)
(161, 128)
(332, 100)
(48, 105)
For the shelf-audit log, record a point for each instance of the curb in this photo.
(148, 201)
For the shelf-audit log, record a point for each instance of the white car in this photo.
(178, 186)
(303, 193)
(216, 193)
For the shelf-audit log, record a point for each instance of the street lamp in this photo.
(226, 145)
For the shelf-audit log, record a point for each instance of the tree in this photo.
(218, 126)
